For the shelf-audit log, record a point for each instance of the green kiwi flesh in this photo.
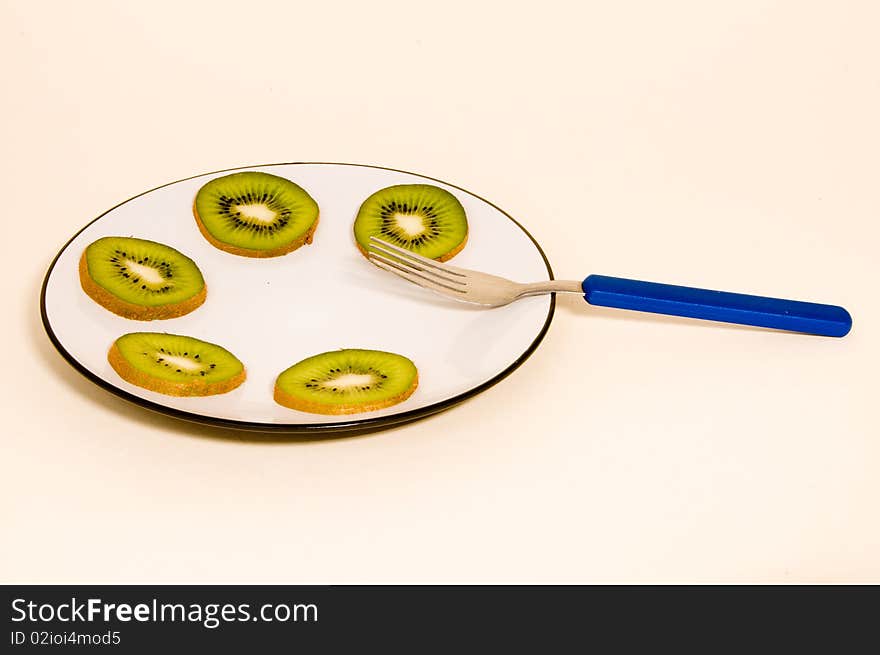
(255, 214)
(175, 364)
(422, 218)
(141, 272)
(347, 382)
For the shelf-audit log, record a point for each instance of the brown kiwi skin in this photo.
(131, 310)
(306, 238)
(196, 387)
(301, 405)
(442, 258)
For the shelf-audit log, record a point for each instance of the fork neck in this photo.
(561, 286)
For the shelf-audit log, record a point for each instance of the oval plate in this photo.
(274, 312)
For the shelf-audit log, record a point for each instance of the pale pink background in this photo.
(727, 145)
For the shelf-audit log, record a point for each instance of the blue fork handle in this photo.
(793, 315)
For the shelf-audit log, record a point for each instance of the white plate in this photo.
(274, 312)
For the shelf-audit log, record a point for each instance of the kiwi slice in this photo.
(175, 365)
(426, 219)
(347, 382)
(255, 214)
(141, 279)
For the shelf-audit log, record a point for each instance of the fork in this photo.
(493, 291)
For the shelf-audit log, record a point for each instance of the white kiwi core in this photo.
(147, 273)
(412, 224)
(349, 380)
(183, 363)
(257, 212)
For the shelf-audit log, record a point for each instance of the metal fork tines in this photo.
(458, 283)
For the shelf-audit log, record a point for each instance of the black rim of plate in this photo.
(360, 424)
